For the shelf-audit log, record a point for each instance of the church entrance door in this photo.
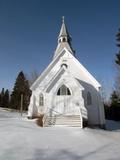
(63, 105)
(64, 102)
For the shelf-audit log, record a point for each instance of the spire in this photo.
(63, 32)
(64, 39)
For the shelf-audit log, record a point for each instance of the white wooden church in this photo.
(66, 93)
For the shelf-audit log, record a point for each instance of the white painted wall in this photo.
(77, 78)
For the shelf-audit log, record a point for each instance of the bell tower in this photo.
(64, 39)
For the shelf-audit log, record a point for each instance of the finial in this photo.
(63, 19)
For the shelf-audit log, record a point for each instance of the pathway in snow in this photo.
(21, 139)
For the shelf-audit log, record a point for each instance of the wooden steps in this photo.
(65, 120)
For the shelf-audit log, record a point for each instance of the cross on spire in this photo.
(63, 19)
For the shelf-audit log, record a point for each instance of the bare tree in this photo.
(32, 77)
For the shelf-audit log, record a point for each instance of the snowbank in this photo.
(24, 140)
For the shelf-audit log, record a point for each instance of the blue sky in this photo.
(29, 30)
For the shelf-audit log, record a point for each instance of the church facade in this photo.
(66, 93)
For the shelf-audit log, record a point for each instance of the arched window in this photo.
(41, 100)
(65, 65)
(63, 90)
(89, 99)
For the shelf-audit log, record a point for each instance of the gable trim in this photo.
(41, 77)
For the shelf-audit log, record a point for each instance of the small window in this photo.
(41, 100)
(63, 90)
(89, 99)
(65, 65)
(64, 40)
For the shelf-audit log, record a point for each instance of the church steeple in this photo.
(64, 39)
(64, 35)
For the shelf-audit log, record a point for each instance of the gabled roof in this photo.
(62, 74)
(87, 73)
(56, 60)
(46, 71)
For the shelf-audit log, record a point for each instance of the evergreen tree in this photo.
(117, 81)
(6, 99)
(116, 102)
(2, 97)
(21, 87)
(118, 37)
(113, 112)
(118, 58)
(32, 77)
(114, 99)
(118, 44)
(115, 106)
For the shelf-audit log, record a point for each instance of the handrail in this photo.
(44, 118)
(49, 109)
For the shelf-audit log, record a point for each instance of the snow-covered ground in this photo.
(22, 139)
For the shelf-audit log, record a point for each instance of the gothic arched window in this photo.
(41, 100)
(89, 99)
(63, 90)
